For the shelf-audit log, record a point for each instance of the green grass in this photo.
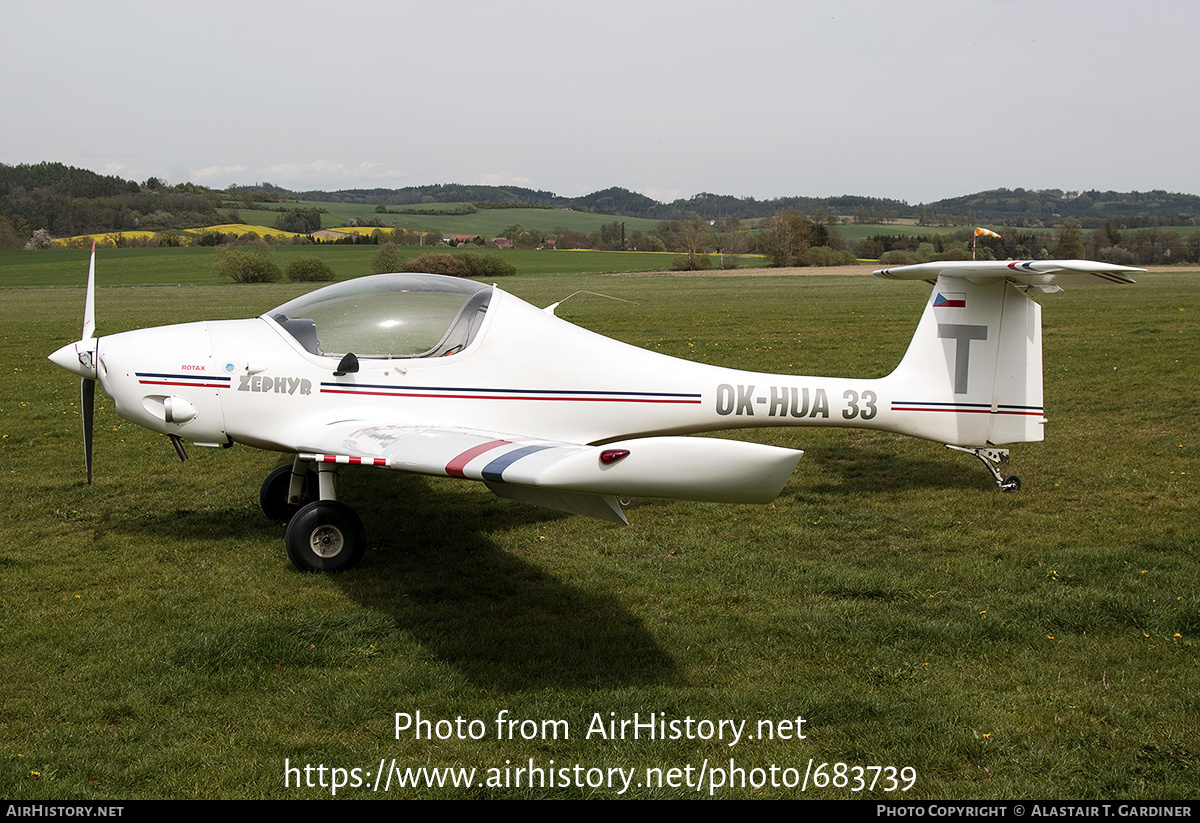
(196, 265)
(157, 643)
(854, 232)
(486, 222)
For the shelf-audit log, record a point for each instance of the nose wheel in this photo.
(277, 497)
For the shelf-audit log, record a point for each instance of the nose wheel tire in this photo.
(325, 536)
(273, 496)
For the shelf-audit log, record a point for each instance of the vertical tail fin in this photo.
(972, 375)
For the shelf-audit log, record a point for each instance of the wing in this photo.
(573, 477)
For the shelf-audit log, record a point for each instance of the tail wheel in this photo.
(325, 536)
(993, 459)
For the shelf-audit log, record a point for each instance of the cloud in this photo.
(313, 174)
(504, 178)
(217, 175)
(665, 195)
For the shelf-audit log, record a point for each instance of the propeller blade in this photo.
(87, 394)
(89, 302)
(82, 358)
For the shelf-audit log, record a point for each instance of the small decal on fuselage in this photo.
(276, 385)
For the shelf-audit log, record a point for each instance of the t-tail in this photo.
(972, 375)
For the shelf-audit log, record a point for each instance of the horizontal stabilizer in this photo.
(1021, 272)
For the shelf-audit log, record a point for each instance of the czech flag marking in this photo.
(950, 300)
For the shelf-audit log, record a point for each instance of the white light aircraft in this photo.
(449, 377)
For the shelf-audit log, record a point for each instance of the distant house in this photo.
(463, 239)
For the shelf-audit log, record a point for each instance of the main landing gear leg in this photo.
(323, 535)
(993, 459)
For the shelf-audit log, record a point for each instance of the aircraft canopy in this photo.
(387, 316)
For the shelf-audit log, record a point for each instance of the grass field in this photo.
(196, 265)
(486, 222)
(156, 642)
(491, 222)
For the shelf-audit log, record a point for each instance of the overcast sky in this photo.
(914, 100)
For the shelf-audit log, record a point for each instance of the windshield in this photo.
(388, 315)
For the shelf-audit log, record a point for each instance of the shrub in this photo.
(40, 239)
(868, 249)
(462, 265)
(697, 262)
(308, 270)
(489, 265)
(441, 263)
(825, 256)
(898, 257)
(388, 259)
(247, 266)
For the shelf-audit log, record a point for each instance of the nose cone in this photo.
(78, 358)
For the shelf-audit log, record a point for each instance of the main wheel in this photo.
(325, 536)
(273, 496)
(1012, 483)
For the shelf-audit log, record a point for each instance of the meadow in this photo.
(196, 265)
(492, 222)
(157, 643)
(487, 222)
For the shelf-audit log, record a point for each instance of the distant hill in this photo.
(65, 201)
(417, 195)
(1051, 206)
(614, 201)
(1021, 207)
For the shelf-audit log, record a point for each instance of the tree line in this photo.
(65, 201)
(47, 200)
(787, 239)
(1151, 246)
